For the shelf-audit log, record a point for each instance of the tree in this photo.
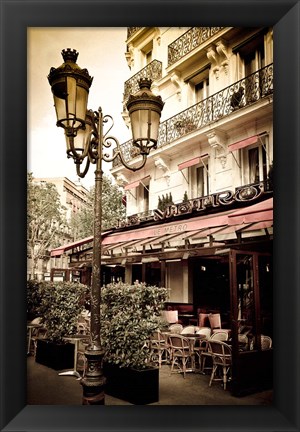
(113, 210)
(46, 220)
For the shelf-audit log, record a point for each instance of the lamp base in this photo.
(93, 382)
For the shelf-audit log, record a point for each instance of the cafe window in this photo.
(199, 85)
(143, 197)
(199, 179)
(147, 53)
(255, 163)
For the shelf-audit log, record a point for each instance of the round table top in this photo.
(76, 337)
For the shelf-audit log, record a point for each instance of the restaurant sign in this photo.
(227, 198)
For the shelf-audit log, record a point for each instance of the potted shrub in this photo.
(129, 315)
(60, 305)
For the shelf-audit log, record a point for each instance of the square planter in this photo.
(55, 356)
(137, 386)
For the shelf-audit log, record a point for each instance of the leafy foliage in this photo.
(165, 201)
(33, 298)
(46, 220)
(60, 304)
(185, 197)
(129, 315)
(112, 210)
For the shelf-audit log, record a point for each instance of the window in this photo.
(251, 58)
(147, 53)
(255, 162)
(201, 90)
(199, 180)
(143, 197)
(199, 85)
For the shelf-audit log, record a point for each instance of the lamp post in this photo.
(85, 141)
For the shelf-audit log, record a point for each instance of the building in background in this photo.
(74, 197)
(200, 212)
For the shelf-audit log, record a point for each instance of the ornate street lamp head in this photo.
(144, 110)
(70, 87)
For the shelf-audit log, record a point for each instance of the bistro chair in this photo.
(181, 353)
(189, 329)
(81, 358)
(220, 336)
(266, 342)
(203, 320)
(158, 348)
(41, 333)
(222, 360)
(215, 320)
(176, 328)
(201, 345)
(170, 316)
(206, 353)
(205, 331)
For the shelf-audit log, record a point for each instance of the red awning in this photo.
(262, 211)
(243, 143)
(135, 183)
(132, 185)
(191, 162)
(61, 249)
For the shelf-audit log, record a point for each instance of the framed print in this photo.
(16, 18)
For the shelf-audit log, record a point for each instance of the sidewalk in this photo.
(46, 387)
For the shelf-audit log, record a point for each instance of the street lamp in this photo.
(85, 141)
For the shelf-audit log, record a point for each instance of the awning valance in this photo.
(61, 249)
(243, 143)
(191, 162)
(135, 183)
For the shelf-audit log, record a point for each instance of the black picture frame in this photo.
(16, 16)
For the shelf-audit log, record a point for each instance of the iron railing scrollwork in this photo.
(190, 40)
(152, 71)
(131, 31)
(242, 93)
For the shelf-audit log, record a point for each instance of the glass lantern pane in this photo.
(60, 108)
(71, 100)
(81, 103)
(155, 118)
(139, 124)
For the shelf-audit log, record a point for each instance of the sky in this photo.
(102, 53)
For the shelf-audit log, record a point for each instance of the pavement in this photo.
(46, 387)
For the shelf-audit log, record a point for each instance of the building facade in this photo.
(74, 197)
(200, 212)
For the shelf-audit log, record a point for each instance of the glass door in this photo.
(251, 309)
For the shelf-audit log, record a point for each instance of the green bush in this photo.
(60, 304)
(33, 298)
(129, 315)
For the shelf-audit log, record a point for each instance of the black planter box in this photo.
(55, 356)
(137, 386)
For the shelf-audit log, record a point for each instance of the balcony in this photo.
(131, 31)
(241, 94)
(189, 41)
(152, 71)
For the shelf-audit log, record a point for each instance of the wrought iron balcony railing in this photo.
(189, 41)
(234, 97)
(131, 30)
(153, 71)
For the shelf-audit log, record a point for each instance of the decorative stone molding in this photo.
(129, 56)
(217, 140)
(175, 79)
(121, 180)
(162, 165)
(218, 55)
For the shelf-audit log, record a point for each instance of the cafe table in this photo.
(75, 339)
